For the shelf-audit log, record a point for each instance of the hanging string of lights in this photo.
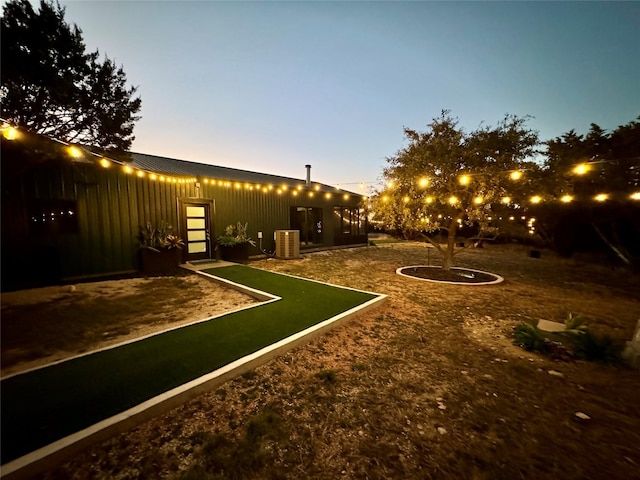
(77, 152)
(13, 133)
(467, 178)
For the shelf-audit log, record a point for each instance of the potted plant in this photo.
(234, 243)
(159, 248)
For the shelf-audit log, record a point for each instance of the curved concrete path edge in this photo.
(55, 453)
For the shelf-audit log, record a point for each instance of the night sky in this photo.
(272, 86)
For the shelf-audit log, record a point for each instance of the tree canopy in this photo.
(446, 178)
(51, 85)
(584, 191)
(592, 183)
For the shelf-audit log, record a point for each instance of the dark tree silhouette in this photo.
(52, 86)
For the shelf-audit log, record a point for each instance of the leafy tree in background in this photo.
(445, 179)
(588, 181)
(52, 86)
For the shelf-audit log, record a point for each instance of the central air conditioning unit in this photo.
(287, 244)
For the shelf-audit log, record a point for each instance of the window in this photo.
(349, 220)
(53, 217)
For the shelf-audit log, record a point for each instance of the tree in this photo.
(52, 86)
(445, 179)
(594, 178)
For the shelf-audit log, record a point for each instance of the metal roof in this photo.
(172, 166)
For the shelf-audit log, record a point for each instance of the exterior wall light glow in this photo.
(566, 198)
(464, 180)
(536, 199)
(515, 175)
(601, 197)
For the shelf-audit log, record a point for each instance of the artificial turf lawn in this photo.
(48, 404)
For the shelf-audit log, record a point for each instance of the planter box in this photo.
(159, 263)
(236, 254)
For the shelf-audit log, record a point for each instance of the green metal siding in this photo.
(111, 205)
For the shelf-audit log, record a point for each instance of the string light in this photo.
(9, 132)
(581, 169)
(601, 197)
(74, 151)
(464, 180)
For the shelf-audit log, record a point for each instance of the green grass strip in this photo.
(45, 405)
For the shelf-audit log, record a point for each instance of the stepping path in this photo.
(50, 412)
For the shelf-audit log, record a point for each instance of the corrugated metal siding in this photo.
(111, 205)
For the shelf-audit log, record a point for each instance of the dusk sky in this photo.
(272, 86)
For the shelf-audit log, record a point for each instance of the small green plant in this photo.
(575, 325)
(158, 237)
(597, 348)
(530, 338)
(235, 235)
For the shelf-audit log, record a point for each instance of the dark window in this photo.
(50, 217)
(309, 221)
(349, 220)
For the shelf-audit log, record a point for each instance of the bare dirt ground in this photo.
(102, 314)
(429, 385)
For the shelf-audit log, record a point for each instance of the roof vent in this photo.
(308, 167)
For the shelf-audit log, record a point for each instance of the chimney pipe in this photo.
(308, 167)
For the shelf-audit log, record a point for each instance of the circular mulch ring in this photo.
(455, 276)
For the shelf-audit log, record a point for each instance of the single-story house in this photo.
(68, 213)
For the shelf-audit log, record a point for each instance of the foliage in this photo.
(446, 178)
(530, 338)
(597, 348)
(575, 325)
(235, 235)
(50, 85)
(611, 164)
(158, 237)
(574, 341)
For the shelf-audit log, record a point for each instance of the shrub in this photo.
(530, 338)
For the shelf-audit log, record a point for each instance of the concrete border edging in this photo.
(53, 454)
(498, 278)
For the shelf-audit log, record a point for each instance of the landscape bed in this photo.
(47, 404)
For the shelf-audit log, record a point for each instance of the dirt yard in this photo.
(429, 385)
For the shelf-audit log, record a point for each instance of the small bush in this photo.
(597, 348)
(530, 338)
